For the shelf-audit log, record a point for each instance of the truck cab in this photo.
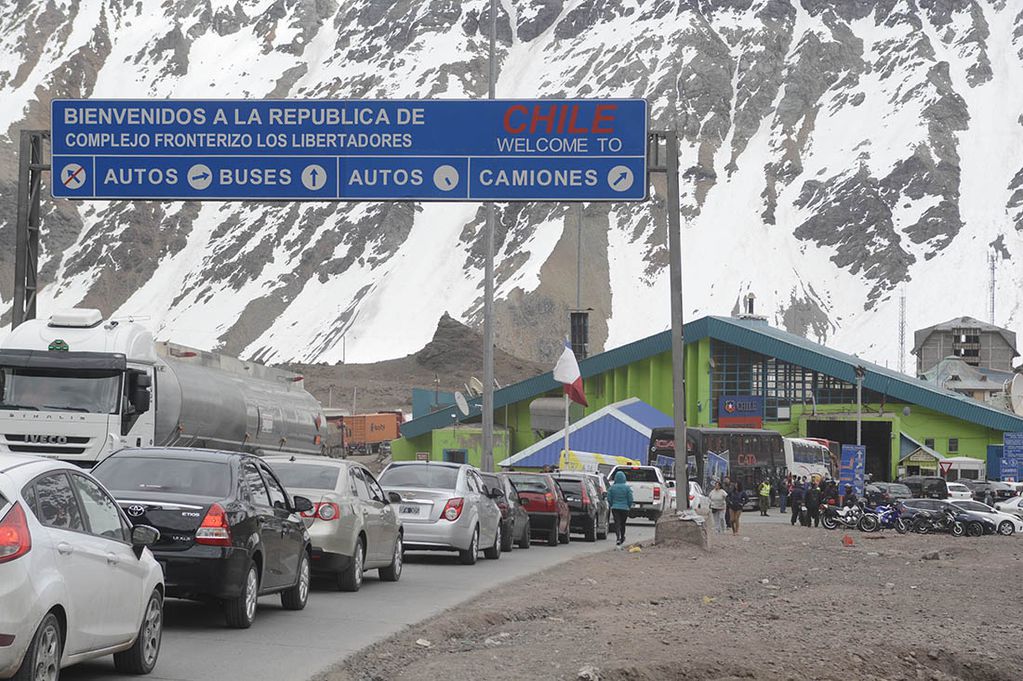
(75, 388)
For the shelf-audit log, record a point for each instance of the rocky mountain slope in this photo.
(835, 152)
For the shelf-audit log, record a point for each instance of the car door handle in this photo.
(112, 559)
(65, 549)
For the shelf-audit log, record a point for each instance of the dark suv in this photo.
(514, 518)
(926, 486)
(587, 503)
(228, 529)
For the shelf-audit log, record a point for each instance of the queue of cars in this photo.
(87, 558)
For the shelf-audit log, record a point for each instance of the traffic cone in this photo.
(847, 540)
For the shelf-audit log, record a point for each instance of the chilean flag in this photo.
(567, 371)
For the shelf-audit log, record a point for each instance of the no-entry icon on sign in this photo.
(72, 176)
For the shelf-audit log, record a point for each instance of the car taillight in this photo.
(453, 509)
(550, 501)
(214, 529)
(657, 493)
(327, 510)
(691, 497)
(15, 539)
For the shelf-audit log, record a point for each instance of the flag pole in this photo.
(566, 426)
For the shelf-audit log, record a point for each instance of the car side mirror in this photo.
(143, 536)
(393, 498)
(301, 504)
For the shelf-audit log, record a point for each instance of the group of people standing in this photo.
(805, 496)
(727, 500)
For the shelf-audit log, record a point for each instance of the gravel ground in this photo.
(777, 603)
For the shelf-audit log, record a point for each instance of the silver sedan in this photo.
(353, 524)
(444, 508)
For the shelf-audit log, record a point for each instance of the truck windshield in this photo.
(90, 391)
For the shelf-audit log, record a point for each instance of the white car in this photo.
(1007, 523)
(698, 501)
(957, 490)
(76, 580)
(1013, 506)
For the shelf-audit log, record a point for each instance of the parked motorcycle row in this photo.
(922, 516)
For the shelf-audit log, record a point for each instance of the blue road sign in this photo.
(851, 468)
(1012, 457)
(349, 150)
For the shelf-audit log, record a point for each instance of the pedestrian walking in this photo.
(783, 493)
(796, 501)
(813, 505)
(765, 497)
(736, 501)
(726, 485)
(619, 496)
(718, 507)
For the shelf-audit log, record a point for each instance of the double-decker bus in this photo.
(752, 455)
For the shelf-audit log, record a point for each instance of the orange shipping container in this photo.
(372, 428)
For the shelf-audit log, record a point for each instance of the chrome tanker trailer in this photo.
(78, 388)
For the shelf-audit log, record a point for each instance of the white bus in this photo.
(807, 458)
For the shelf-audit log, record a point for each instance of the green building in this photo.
(807, 389)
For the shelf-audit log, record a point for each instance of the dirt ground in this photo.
(777, 603)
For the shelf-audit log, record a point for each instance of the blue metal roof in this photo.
(619, 429)
(757, 336)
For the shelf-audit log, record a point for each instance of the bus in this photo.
(807, 458)
(752, 455)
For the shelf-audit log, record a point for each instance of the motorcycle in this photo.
(848, 517)
(941, 521)
(884, 517)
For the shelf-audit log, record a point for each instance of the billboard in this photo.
(741, 411)
(850, 471)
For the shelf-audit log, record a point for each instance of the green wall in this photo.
(650, 380)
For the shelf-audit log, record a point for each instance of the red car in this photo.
(549, 515)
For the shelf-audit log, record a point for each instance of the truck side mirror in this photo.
(140, 398)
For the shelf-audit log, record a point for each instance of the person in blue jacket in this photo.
(619, 496)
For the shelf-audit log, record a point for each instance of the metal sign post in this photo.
(487, 455)
(667, 163)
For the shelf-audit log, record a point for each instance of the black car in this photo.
(587, 504)
(911, 507)
(228, 529)
(896, 491)
(997, 491)
(514, 518)
(926, 486)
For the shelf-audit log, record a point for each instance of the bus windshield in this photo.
(93, 391)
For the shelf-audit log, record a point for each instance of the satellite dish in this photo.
(476, 385)
(1016, 394)
(463, 406)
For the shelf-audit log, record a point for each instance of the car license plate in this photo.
(409, 509)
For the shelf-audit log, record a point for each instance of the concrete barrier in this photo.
(674, 529)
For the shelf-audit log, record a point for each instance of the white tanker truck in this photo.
(77, 388)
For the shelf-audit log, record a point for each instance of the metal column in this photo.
(26, 249)
(667, 163)
(487, 456)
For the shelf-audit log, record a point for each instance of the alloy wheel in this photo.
(47, 662)
(1006, 528)
(152, 631)
(251, 593)
(303, 579)
(398, 555)
(359, 563)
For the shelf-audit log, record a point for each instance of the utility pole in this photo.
(487, 456)
(860, 372)
(902, 331)
(578, 256)
(667, 163)
(26, 226)
(992, 261)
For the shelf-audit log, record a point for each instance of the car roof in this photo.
(310, 459)
(9, 462)
(190, 453)
(444, 464)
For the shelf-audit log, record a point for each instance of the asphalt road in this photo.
(292, 646)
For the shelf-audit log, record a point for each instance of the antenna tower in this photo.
(902, 331)
(991, 261)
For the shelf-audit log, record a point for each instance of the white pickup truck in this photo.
(649, 490)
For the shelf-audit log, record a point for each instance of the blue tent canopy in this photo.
(619, 429)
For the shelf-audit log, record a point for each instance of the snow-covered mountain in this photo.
(835, 152)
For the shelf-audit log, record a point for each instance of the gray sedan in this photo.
(444, 508)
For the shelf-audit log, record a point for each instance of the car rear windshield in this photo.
(530, 483)
(639, 474)
(305, 476)
(421, 475)
(901, 490)
(573, 486)
(172, 476)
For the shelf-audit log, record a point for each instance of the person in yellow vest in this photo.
(765, 496)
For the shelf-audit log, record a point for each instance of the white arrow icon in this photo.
(314, 177)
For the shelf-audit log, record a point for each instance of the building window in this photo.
(966, 344)
(929, 443)
(953, 445)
